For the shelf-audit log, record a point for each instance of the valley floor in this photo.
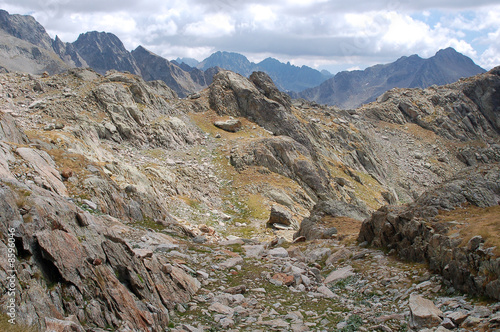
(323, 285)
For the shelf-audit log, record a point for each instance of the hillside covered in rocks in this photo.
(238, 208)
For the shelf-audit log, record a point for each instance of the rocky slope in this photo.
(163, 210)
(354, 88)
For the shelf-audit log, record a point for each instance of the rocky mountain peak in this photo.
(229, 61)
(352, 89)
(104, 51)
(25, 27)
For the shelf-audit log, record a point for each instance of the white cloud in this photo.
(212, 26)
(318, 33)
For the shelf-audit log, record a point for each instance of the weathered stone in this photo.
(240, 289)
(231, 262)
(448, 323)
(280, 216)
(65, 252)
(471, 322)
(278, 252)
(325, 291)
(221, 308)
(342, 253)
(458, 317)
(231, 125)
(284, 278)
(423, 312)
(339, 274)
(45, 166)
(254, 250)
(57, 325)
(474, 242)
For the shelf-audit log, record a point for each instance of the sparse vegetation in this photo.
(5, 326)
(470, 221)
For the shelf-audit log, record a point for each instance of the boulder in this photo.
(281, 216)
(423, 313)
(231, 125)
(339, 274)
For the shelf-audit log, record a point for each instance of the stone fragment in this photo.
(254, 250)
(474, 242)
(231, 242)
(471, 322)
(221, 308)
(318, 254)
(231, 262)
(226, 323)
(447, 323)
(65, 252)
(58, 325)
(295, 252)
(342, 253)
(166, 247)
(275, 323)
(284, 278)
(423, 312)
(481, 311)
(240, 289)
(143, 253)
(339, 274)
(231, 125)
(325, 291)
(44, 165)
(82, 219)
(495, 319)
(278, 252)
(458, 317)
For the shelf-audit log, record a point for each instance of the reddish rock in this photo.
(285, 279)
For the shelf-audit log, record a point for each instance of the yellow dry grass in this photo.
(348, 228)
(471, 221)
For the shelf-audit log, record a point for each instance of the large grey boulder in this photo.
(231, 125)
(280, 217)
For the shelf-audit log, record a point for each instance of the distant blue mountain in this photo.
(286, 77)
(351, 89)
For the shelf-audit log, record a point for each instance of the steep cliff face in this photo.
(26, 28)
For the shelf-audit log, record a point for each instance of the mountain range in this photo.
(124, 207)
(351, 89)
(25, 46)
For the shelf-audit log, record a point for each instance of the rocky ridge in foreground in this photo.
(148, 194)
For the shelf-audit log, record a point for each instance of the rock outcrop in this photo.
(415, 232)
(319, 225)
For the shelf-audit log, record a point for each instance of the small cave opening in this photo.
(50, 272)
(123, 275)
(22, 254)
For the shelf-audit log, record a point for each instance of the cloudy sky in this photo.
(324, 34)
